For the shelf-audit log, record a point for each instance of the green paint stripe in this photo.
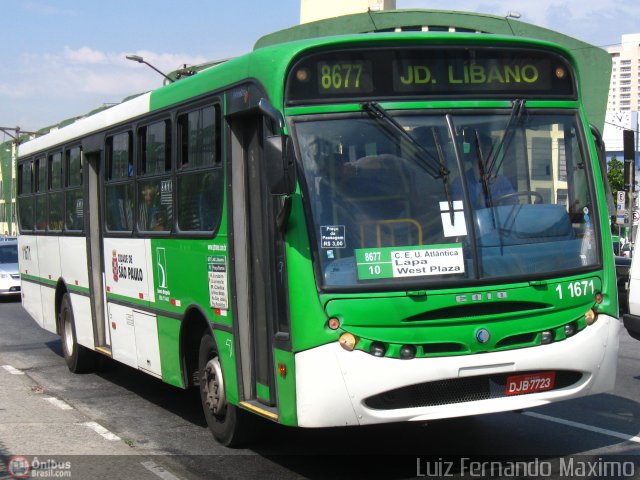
(124, 298)
(78, 289)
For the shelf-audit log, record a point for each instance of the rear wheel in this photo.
(230, 425)
(79, 359)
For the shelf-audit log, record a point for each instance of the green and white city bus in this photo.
(335, 231)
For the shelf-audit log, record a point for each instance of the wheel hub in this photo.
(67, 332)
(213, 387)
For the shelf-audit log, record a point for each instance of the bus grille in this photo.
(456, 390)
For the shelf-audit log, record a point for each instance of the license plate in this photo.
(533, 382)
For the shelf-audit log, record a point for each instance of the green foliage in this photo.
(615, 174)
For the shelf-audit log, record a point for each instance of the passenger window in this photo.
(200, 175)
(55, 171)
(56, 196)
(74, 199)
(119, 188)
(155, 148)
(41, 194)
(155, 185)
(120, 156)
(25, 199)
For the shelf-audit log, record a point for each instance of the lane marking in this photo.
(12, 371)
(159, 471)
(604, 431)
(56, 402)
(100, 430)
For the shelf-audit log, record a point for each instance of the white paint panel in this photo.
(82, 316)
(49, 264)
(127, 267)
(332, 383)
(123, 338)
(28, 255)
(31, 300)
(28, 263)
(148, 349)
(73, 261)
(49, 257)
(48, 298)
(99, 121)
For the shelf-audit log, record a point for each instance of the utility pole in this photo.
(628, 145)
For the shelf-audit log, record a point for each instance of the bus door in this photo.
(258, 262)
(93, 226)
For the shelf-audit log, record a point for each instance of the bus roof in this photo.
(593, 62)
(268, 64)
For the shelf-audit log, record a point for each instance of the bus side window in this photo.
(199, 174)
(56, 196)
(25, 198)
(119, 188)
(41, 193)
(74, 200)
(155, 184)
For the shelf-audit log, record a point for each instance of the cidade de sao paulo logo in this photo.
(122, 267)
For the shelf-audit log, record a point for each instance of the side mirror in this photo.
(280, 164)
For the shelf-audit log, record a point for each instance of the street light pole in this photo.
(139, 59)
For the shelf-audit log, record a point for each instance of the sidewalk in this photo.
(43, 436)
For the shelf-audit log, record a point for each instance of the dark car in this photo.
(623, 265)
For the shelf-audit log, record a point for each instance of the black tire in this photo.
(79, 359)
(229, 424)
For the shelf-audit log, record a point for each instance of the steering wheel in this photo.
(525, 193)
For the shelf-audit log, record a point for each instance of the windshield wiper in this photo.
(517, 110)
(421, 155)
(378, 113)
(484, 177)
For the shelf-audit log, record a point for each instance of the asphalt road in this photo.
(165, 430)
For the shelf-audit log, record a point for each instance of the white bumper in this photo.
(332, 383)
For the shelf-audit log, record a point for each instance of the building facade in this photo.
(624, 91)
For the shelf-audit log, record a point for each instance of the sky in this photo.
(63, 58)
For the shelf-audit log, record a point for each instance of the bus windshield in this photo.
(456, 197)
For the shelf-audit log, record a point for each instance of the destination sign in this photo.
(436, 72)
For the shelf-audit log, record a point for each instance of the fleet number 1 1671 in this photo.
(578, 288)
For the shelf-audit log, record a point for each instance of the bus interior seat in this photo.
(376, 199)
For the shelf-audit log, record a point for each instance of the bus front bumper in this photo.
(333, 384)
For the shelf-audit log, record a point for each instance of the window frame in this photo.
(142, 177)
(68, 187)
(109, 182)
(217, 166)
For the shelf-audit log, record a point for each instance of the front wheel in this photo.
(79, 359)
(230, 425)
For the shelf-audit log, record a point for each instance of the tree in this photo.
(615, 174)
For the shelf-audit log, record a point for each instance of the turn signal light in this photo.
(348, 341)
(591, 317)
(333, 323)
